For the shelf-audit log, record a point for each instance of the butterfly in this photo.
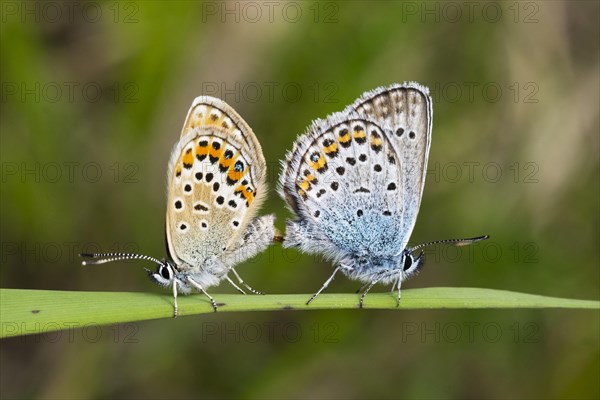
(355, 181)
(216, 184)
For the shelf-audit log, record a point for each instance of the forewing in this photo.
(216, 182)
(407, 110)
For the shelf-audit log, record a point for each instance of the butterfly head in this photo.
(410, 264)
(164, 274)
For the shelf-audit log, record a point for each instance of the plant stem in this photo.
(38, 311)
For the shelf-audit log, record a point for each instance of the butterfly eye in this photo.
(164, 272)
(412, 264)
(408, 262)
(163, 276)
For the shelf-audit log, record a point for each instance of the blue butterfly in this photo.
(355, 181)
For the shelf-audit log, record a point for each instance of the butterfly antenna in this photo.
(103, 258)
(455, 242)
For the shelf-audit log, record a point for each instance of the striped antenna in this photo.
(103, 258)
(455, 242)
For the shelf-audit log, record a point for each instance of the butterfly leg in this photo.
(362, 297)
(175, 307)
(327, 282)
(398, 287)
(201, 290)
(393, 286)
(239, 289)
(241, 282)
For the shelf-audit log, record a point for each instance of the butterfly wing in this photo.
(342, 179)
(216, 183)
(356, 178)
(407, 110)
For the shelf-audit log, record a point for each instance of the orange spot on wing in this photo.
(305, 185)
(227, 163)
(201, 151)
(319, 164)
(248, 195)
(188, 158)
(359, 134)
(216, 153)
(234, 175)
(249, 198)
(332, 148)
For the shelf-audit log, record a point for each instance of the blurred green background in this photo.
(93, 98)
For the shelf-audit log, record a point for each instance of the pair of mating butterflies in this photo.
(354, 180)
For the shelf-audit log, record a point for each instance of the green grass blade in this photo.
(24, 312)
